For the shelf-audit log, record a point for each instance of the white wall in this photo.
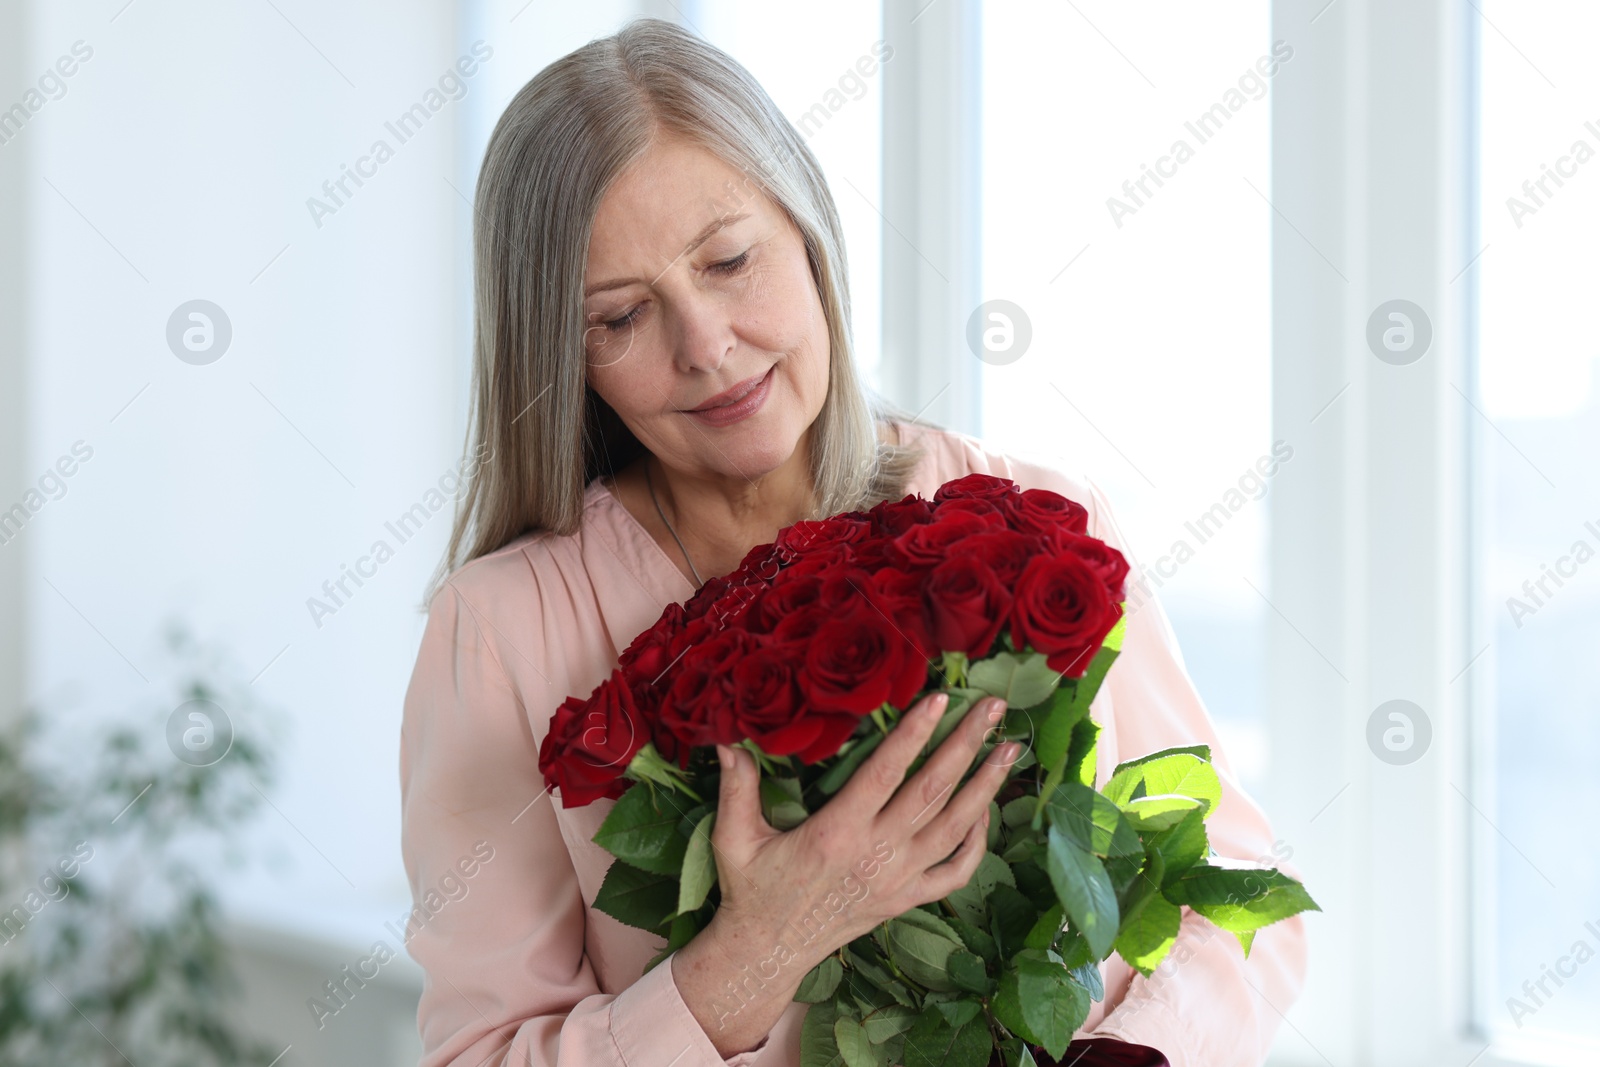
(177, 165)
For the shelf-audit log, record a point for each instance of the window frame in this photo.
(1374, 558)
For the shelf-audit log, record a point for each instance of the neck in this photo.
(720, 518)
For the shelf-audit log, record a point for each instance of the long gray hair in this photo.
(538, 433)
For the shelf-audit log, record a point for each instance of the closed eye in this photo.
(727, 266)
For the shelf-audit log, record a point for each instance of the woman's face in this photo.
(697, 285)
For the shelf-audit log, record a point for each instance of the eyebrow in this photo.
(716, 224)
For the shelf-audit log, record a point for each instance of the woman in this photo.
(664, 379)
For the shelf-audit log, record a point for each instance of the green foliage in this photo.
(1008, 965)
(128, 964)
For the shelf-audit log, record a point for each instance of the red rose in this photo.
(705, 597)
(858, 660)
(980, 486)
(894, 519)
(801, 625)
(843, 586)
(871, 553)
(769, 709)
(928, 545)
(987, 510)
(1042, 511)
(900, 596)
(781, 600)
(968, 604)
(1107, 562)
(649, 653)
(698, 708)
(806, 537)
(1062, 609)
(1006, 552)
(590, 743)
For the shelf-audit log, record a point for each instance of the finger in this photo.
(930, 789)
(875, 781)
(942, 879)
(739, 819)
(970, 803)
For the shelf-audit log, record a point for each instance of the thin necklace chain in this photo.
(698, 581)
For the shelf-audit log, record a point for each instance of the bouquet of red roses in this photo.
(806, 655)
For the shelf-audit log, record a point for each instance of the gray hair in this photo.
(539, 433)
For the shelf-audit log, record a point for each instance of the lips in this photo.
(733, 395)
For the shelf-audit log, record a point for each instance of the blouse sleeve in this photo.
(498, 926)
(1207, 1005)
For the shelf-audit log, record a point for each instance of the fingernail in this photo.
(937, 705)
(724, 756)
(997, 708)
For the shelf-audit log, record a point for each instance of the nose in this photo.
(704, 336)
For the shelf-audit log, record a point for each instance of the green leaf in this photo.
(1023, 680)
(968, 973)
(682, 931)
(1087, 974)
(818, 1047)
(642, 833)
(959, 1012)
(978, 940)
(1040, 1002)
(920, 945)
(1214, 884)
(637, 897)
(1198, 751)
(854, 1047)
(1085, 891)
(1148, 936)
(1240, 900)
(1016, 1053)
(1018, 812)
(933, 1042)
(1074, 951)
(820, 982)
(1091, 821)
(1011, 916)
(699, 867)
(969, 901)
(1182, 846)
(1033, 881)
(1052, 736)
(920, 916)
(1173, 772)
(1161, 811)
(865, 968)
(1081, 757)
(1136, 886)
(780, 802)
(1046, 928)
(888, 1023)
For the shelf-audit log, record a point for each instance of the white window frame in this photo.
(932, 248)
(1372, 559)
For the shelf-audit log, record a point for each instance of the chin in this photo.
(760, 451)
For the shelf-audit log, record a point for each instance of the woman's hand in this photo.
(877, 849)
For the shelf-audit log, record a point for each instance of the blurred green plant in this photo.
(110, 935)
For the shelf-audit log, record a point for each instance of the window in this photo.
(1124, 225)
(822, 65)
(1540, 558)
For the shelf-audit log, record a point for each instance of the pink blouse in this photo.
(520, 969)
